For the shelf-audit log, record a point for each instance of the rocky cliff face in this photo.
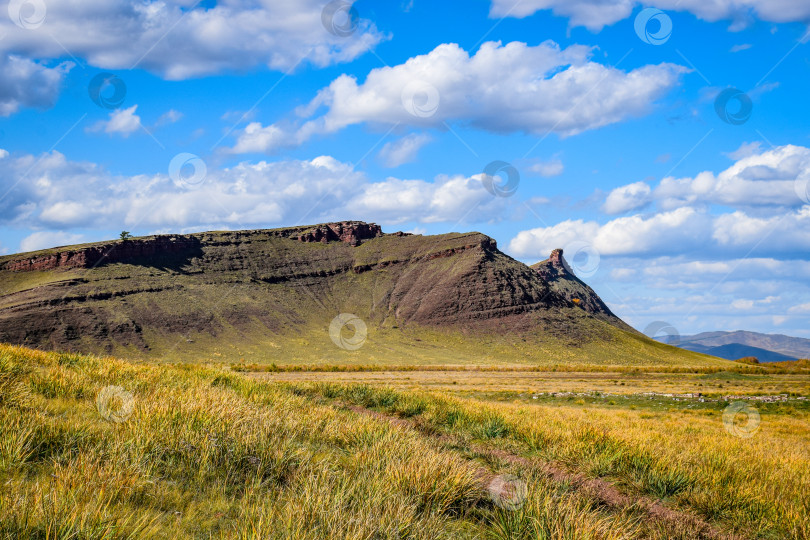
(160, 247)
(155, 248)
(557, 273)
(349, 232)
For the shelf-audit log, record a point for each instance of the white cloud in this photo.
(501, 88)
(712, 268)
(446, 199)
(740, 47)
(695, 291)
(48, 239)
(745, 150)
(27, 83)
(801, 308)
(596, 14)
(538, 201)
(538, 243)
(169, 117)
(547, 169)
(623, 236)
(179, 40)
(122, 121)
(256, 138)
(786, 233)
(622, 274)
(404, 150)
(3, 153)
(742, 304)
(61, 194)
(657, 233)
(683, 230)
(627, 198)
(758, 178)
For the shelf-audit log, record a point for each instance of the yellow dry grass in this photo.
(204, 453)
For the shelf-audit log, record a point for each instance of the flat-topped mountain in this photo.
(270, 296)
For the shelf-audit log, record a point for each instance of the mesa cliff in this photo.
(254, 293)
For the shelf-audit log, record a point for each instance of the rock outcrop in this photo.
(561, 279)
(349, 232)
(157, 247)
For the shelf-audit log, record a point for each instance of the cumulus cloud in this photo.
(447, 199)
(683, 230)
(256, 138)
(631, 235)
(59, 194)
(501, 88)
(122, 121)
(596, 14)
(776, 177)
(404, 150)
(627, 198)
(179, 39)
(47, 239)
(786, 233)
(28, 84)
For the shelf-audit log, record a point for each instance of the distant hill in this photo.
(271, 295)
(734, 345)
(734, 351)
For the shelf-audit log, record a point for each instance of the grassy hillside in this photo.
(264, 297)
(193, 452)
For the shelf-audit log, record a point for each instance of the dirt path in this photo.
(670, 519)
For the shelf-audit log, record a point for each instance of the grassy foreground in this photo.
(197, 452)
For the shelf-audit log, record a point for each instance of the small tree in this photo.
(125, 235)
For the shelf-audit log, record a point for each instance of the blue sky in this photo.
(674, 201)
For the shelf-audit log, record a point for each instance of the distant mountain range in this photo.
(734, 345)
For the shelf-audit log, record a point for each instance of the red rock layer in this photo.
(107, 253)
(350, 232)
